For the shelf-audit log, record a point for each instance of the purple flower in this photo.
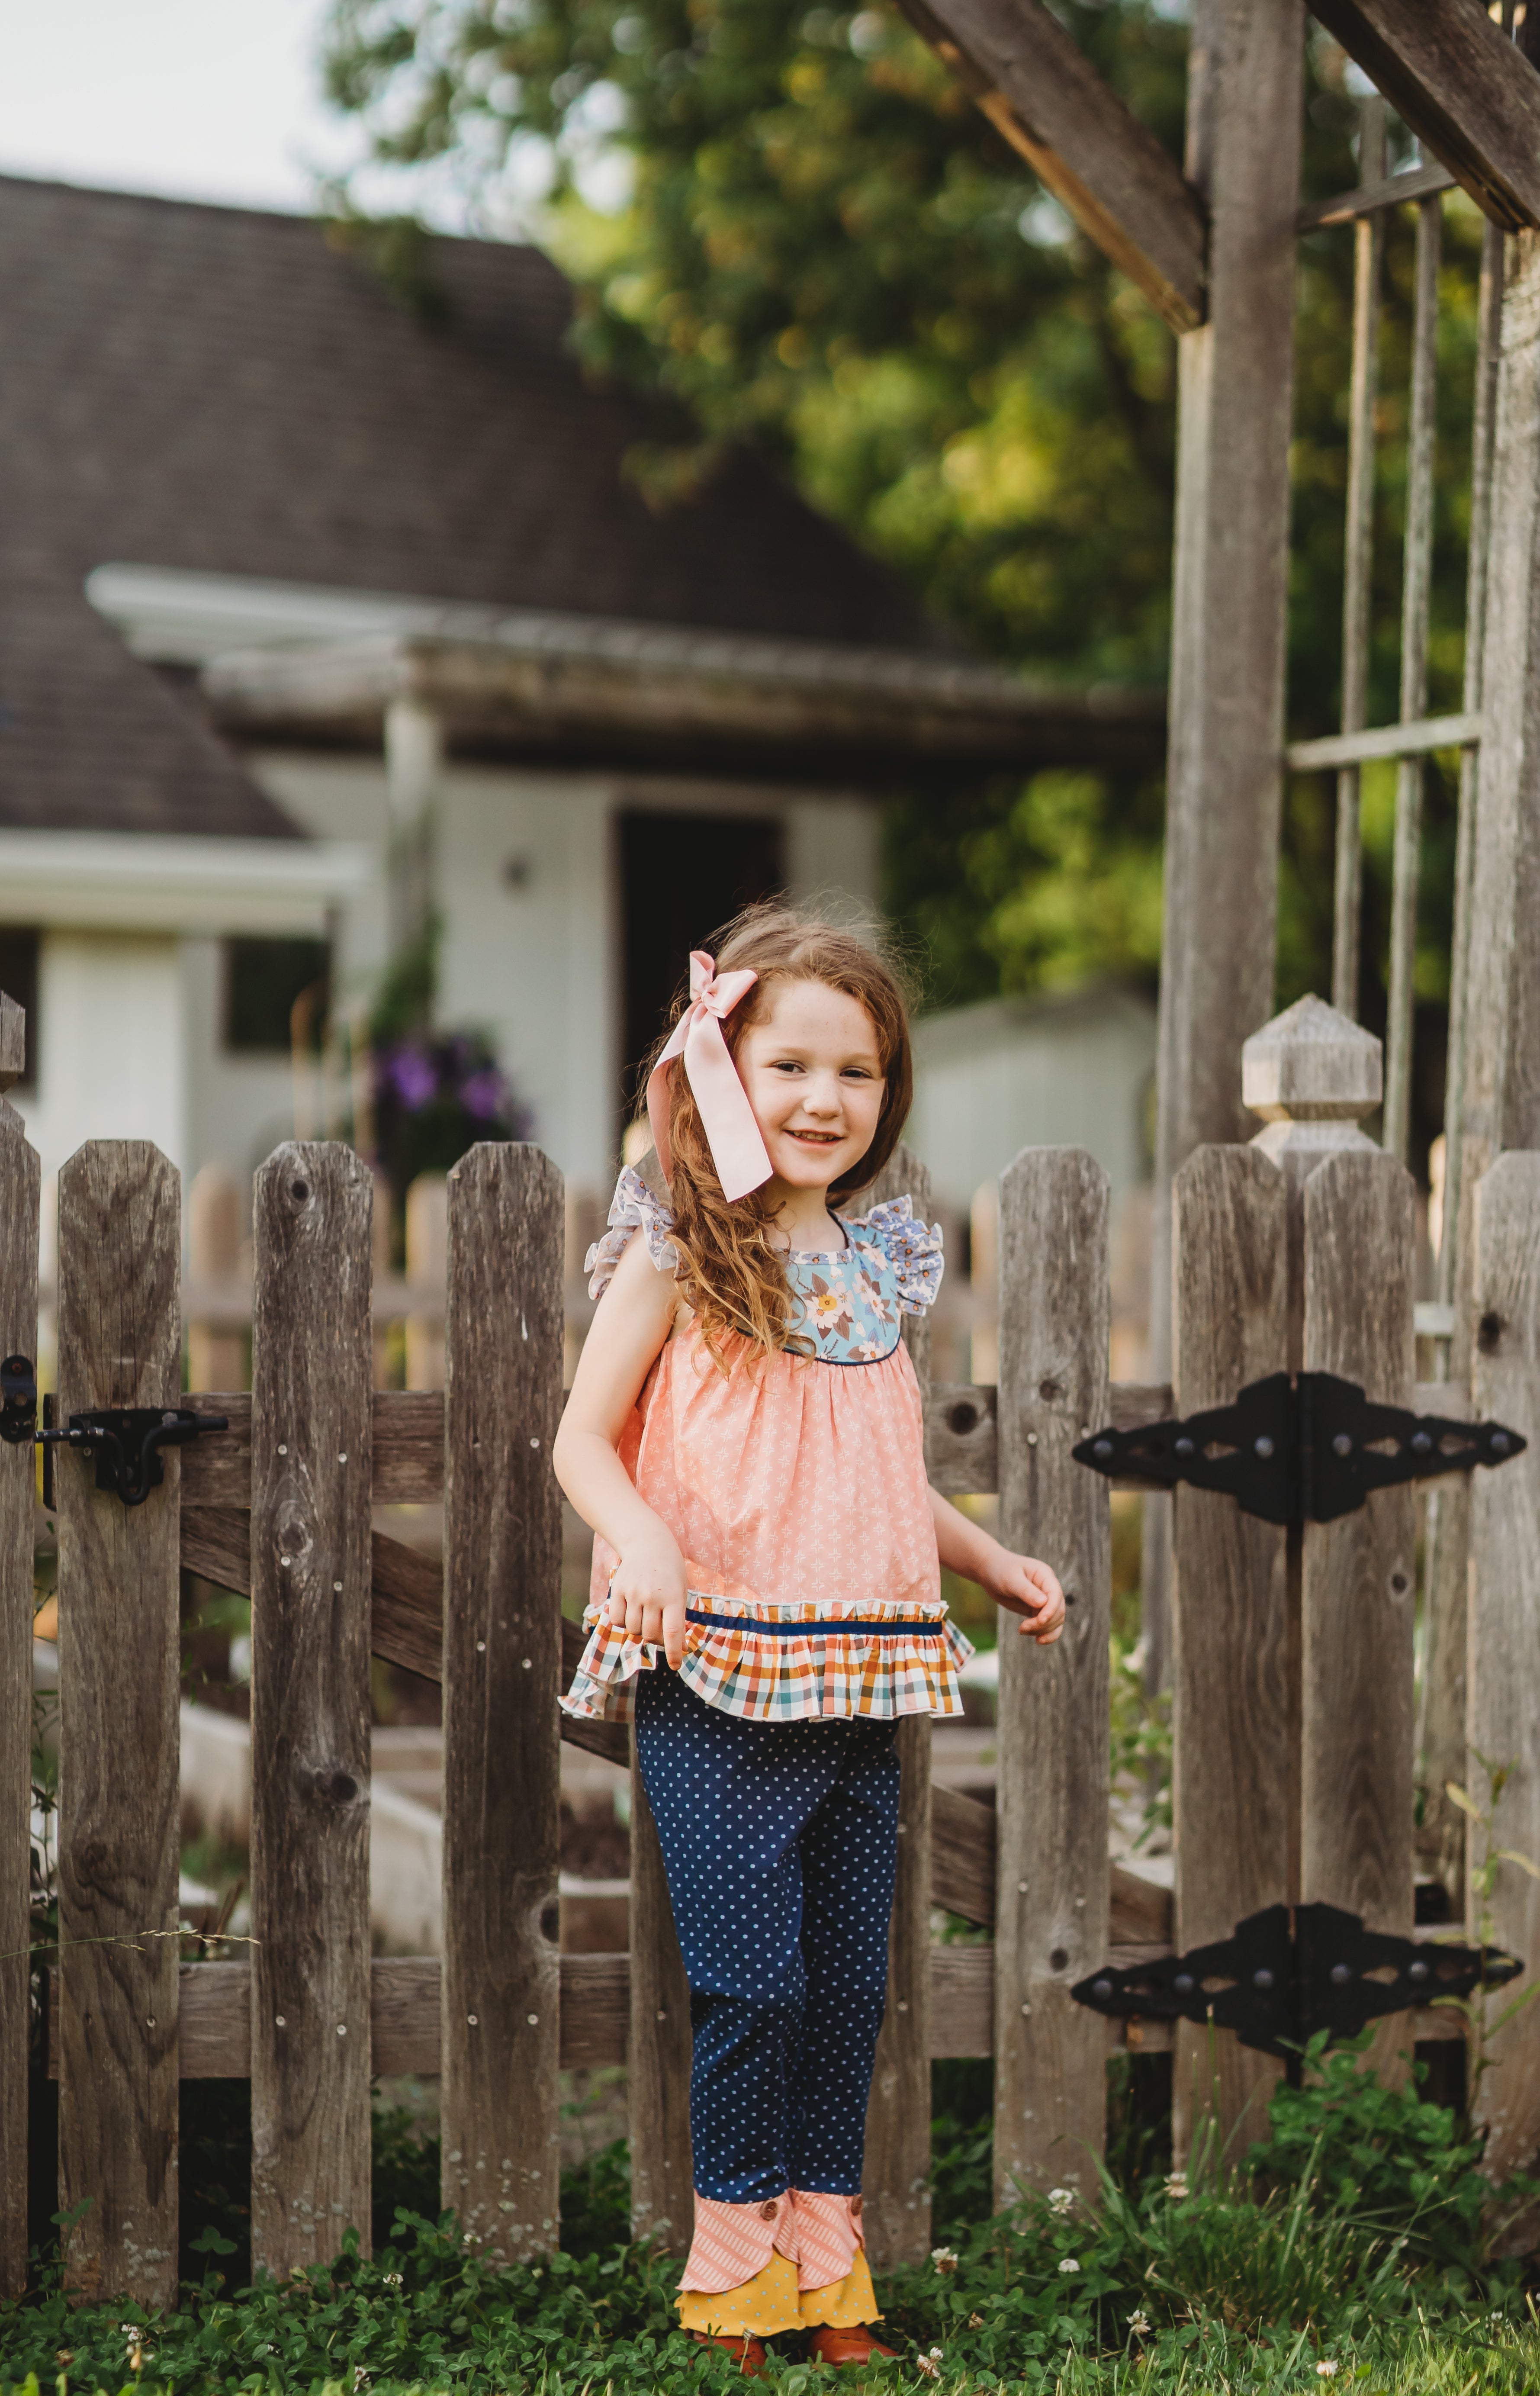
(415, 1077)
(485, 1095)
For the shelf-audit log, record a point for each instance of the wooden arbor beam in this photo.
(1038, 88)
(1463, 87)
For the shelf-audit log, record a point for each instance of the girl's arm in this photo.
(1019, 1584)
(633, 1319)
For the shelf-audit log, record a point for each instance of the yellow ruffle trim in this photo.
(771, 2303)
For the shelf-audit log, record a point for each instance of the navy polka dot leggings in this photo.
(781, 1842)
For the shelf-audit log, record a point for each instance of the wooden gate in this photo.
(1293, 1690)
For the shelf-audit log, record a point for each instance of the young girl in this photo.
(745, 1436)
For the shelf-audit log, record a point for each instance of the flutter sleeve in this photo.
(913, 1248)
(633, 1208)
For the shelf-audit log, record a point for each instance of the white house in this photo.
(318, 615)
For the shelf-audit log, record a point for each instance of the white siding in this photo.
(113, 1058)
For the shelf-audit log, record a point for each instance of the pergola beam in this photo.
(1038, 90)
(1469, 95)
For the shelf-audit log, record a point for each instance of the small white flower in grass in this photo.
(1326, 2370)
(929, 2366)
(945, 2259)
(392, 2279)
(1069, 2264)
(975, 2321)
(1177, 2184)
(1060, 2199)
(1139, 2324)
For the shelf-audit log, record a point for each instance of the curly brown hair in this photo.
(730, 1271)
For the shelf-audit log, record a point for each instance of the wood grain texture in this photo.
(406, 2016)
(1051, 1884)
(406, 1622)
(1036, 86)
(20, 1183)
(1358, 1576)
(310, 1363)
(1465, 90)
(657, 2049)
(1505, 1606)
(407, 1449)
(1229, 589)
(962, 1855)
(502, 1659)
(119, 1669)
(895, 2178)
(1234, 1720)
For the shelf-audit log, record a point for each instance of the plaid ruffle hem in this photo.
(789, 1663)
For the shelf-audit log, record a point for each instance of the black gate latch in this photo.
(1306, 1447)
(1291, 1971)
(125, 1441)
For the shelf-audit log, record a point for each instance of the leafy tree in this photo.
(828, 252)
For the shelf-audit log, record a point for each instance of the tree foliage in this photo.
(828, 252)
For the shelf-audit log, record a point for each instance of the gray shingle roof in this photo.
(226, 391)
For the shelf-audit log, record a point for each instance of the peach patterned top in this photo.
(796, 1488)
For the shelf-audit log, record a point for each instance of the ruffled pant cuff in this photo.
(818, 2233)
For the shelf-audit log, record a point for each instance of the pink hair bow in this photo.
(732, 1134)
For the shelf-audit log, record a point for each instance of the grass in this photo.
(1352, 2252)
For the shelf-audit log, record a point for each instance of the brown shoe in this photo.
(748, 2351)
(842, 2346)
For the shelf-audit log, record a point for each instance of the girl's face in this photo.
(813, 1074)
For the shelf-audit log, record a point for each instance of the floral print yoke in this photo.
(795, 1486)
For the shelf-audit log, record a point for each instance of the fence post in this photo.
(311, 1466)
(502, 1575)
(896, 2179)
(658, 2053)
(119, 1683)
(1505, 1604)
(20, 1178)
(1358, 1576)
(1232, 1773)
(1052, 1899)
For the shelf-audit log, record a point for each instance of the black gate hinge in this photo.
(1291, 1972)
(1303, 1447)
(126, 1443)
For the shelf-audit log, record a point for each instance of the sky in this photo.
(207, 100)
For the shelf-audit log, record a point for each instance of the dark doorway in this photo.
(682, 876)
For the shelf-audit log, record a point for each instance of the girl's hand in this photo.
(647, 1594)
(1021, 1585)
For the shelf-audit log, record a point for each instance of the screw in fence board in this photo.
(896, 2183)
(1052, 1903)
(1233, 1767)
(502, 1646)
(119, 1684)
(20, 1191)
(1504, 1603)
(311, 1466)
(1358, 1576)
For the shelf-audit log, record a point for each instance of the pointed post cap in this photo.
(13, 1041)
(1311, 1065)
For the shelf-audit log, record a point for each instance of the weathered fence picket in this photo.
(310, 1497)
(20, 1178)
(503, 1656)
(1233, 1780)
(1505, 1618)
(119, 1682)
(896, 2179)
(1051, 1886)
(1358, 1574)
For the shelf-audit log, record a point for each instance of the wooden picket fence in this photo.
(1294, 1695)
